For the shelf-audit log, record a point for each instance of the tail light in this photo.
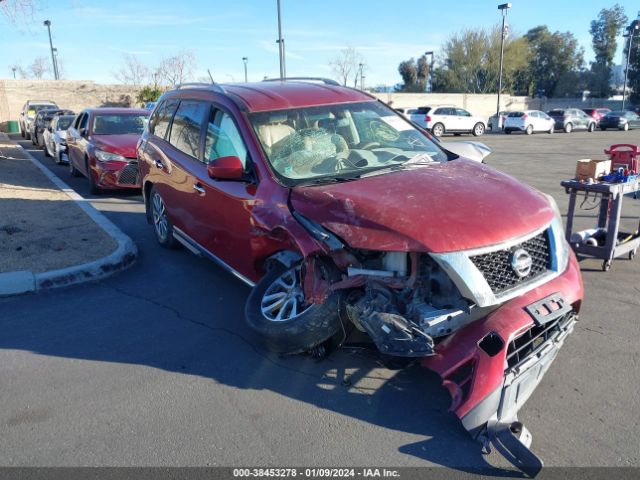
(427, 118)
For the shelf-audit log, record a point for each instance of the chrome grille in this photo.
(129, 174)
(530, 342)
(496, 266)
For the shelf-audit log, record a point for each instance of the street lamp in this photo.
(55, 60)
(503, 8)
(14, 72)
(631, 29)
(280, 42)
(361, 66)
(245, 60)
(430, 84)
(362, 77)
(47, 23)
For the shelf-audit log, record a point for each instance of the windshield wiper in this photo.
(323, 180)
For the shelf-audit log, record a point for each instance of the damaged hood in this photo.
(437, 208)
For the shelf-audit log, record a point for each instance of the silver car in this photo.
(55, 138)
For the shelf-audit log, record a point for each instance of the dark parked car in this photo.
(101, 145)
(596, 113)
(621, 119)
(41, 123)
(315, 195)
(572, 119)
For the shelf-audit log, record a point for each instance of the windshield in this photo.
(121, 124)
(340, 141)
(64, 122)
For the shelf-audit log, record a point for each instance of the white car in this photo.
(446, 119)
(29, 112)
(529, 121)
(55, 138)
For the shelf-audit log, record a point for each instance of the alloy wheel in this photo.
(284, 298)
(160, 221)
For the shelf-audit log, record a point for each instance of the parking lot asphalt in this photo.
(154, 367)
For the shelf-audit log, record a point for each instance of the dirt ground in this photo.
(41, 228)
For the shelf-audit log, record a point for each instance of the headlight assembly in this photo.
(108, 156)
(559, 245)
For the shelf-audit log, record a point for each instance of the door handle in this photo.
(158, 164)
(199, 188)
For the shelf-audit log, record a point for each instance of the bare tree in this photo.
(39, 67)
(132, 71)
(20, 70)
(176, 69)
(346, 65)
(14, 9)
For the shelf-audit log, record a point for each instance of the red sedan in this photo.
(102, 147)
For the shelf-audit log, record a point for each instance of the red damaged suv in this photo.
(101, 144)
(335, 208)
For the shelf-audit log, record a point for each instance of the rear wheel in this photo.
(625, 127)
(46, 150)
(529, 130)
(438, 130)
(478, 129)
(568, 128)
(27, 135)
(592, 127)
(276, 309)
(552, 129)
(162, 226)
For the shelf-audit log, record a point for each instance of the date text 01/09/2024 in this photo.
(314, 472)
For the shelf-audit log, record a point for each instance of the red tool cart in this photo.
(606, 241)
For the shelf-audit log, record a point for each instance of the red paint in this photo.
(437, 208)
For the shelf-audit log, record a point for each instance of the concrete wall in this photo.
(485, 105)
(73, 94)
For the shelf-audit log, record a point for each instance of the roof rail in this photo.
(326, 81)
(209, 86)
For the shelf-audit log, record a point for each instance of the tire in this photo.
(603, 128)
(162, 226)
(438, 130)
(568, 128)
(27, 136)
(529, 130)
(625, 127)
(508, 132)
(591, 127)
(552, 130)
(94, 189)
(478, 129)
(298, 332)
(46, 150)
(22, 130)
(33, 139)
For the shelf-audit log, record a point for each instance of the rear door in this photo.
(464, 120)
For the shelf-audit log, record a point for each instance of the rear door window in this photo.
(187, 125)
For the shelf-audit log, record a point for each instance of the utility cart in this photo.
(606, 241)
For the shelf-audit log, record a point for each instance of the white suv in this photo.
(29, 112)
(529, 121)
(441, 120)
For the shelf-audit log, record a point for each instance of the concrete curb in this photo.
(125, 254)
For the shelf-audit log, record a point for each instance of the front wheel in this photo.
(625, 127)
(438, 130)
(73, 170)
(529, 130)
(94, 189)
(592, 127)
(277, 310)
(478, 129)
(568, 128)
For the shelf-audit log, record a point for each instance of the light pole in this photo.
(14, 72)
(280, 42)
(362, 77)
(430, 84)
(47, 23)
(245, 60)
(631, 29)
(361, 67)
(503, 8)
(55, 60)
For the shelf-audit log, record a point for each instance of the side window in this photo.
(462, 113)
(77, 124)
(83, 121)
(441, 111)
(159, 122)
(187, 125)
(223, 138)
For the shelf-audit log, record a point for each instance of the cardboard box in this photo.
(588, 168)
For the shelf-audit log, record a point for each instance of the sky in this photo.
(93, 36)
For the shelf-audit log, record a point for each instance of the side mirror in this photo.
(226, 168)
(83, 132)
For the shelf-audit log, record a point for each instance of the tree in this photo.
(604, 31)
(555, 59)
(39, 67)
(176, 69)
(14, 9)
(471, 62)
(414, 74)
(132, 71)
(346, 65)
(633, 81)
(148, 93)
(20, 70)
